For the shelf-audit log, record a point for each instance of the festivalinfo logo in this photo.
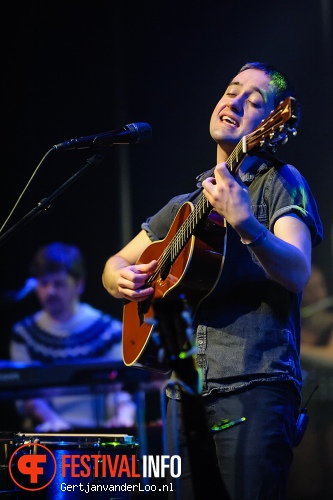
(34, 467)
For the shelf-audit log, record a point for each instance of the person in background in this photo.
(311, 474)
(317, 321)
(67, 330)
(247, 330)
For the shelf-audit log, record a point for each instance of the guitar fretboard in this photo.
(187, 229)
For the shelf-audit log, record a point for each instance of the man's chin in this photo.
(54, 309)
(224, 139)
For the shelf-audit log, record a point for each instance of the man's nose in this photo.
(236, 104)
(50, 289)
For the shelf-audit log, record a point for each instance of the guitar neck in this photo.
(198, 214)
(237, 156)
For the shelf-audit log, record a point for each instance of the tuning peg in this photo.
(273, 148)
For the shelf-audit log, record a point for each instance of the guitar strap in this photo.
(276, 162)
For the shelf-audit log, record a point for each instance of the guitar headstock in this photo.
(276, 129)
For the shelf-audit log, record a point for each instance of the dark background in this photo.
(71, 69)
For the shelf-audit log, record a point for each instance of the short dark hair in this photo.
(281, 83)
(56, 257)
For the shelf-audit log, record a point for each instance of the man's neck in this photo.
(222, 154)
(63, 316)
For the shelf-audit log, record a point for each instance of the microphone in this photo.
(129, 134)
(17, 295)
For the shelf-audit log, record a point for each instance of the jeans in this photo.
(246, 461)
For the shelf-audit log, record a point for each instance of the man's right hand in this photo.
(131, 281)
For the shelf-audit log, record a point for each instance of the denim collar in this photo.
(247, 178)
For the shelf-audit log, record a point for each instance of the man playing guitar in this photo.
(261, 224)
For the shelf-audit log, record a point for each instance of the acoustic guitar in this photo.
(190, 258)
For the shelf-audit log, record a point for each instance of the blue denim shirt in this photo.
(248, 328)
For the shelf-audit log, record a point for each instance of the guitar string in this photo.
(185, 232)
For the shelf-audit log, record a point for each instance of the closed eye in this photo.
(255, 104)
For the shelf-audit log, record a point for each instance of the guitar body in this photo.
(192, 276)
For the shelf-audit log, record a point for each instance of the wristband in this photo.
(258, 240)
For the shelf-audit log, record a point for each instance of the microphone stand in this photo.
(172, 322)
(45, 203)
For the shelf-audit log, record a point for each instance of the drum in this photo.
(76, 466)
